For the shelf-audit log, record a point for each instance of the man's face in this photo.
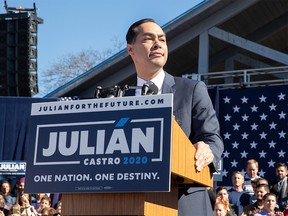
(149, 51)
(252, 170)
(281, 172)
(260, 192)
(237, 180)
(270, 203)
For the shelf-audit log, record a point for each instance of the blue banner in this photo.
(12, 170)
(100, 145)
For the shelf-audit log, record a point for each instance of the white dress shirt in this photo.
(158, 81)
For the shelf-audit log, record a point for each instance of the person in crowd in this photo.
(19, 187)
(58, 207)
(55, 198)
(6, 191)
(255, 183)
(26, 208)
(252, 168)
(192, 107)
(21, 184)
(48, 211)
(223, 194)
(284, 202)
(237, 196)
(280, 185)
(37, 199)
(45, 203)
(254, 208)
(14, 190)
(269, 208)
(15, 210)
(262, 181)
(3, 208)
(286, 211)
(253, 197)
(221, 207)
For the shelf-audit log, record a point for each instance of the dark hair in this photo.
(133, 30)
(269, 194)
(3, 196)
(280, 165)
(255, 180)
(265, 186)
(237, 172)
(4, 181)
(221, 188)
(47, 198)
(19, 200)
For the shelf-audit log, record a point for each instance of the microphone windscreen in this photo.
(145, 89)
(153, 89)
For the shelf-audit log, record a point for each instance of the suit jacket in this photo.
(280, 193)
(194, 112)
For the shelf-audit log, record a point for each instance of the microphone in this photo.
(151, 89)
(115, 91)
(119, 91)
(98, 91)
(144, 89)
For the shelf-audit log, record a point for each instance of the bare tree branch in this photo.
(70, 66)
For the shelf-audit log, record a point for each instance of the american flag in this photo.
(254, 125)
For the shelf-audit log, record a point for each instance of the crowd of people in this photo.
(15, 202)
(251, 195)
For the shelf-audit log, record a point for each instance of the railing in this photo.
(244, 78)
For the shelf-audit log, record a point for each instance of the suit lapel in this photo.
(168, 84)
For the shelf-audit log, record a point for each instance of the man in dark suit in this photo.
(280, 185)
(192, 107)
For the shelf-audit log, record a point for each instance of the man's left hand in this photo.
(203, 156)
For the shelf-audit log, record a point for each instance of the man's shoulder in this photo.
(235, 191)
(231, 189)
(274, 182)
(186, 80)
(189, 84)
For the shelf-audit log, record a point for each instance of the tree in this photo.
(70, 66)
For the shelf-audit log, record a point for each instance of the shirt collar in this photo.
(158, 81)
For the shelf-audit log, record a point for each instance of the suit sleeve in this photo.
(205, 125)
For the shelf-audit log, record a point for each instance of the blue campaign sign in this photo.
(12, 170)
(100, 145)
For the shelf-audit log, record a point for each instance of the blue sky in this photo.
(73, 25)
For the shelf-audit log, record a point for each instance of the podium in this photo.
(146, 203)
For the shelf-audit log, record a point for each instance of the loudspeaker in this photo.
(18, 54)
